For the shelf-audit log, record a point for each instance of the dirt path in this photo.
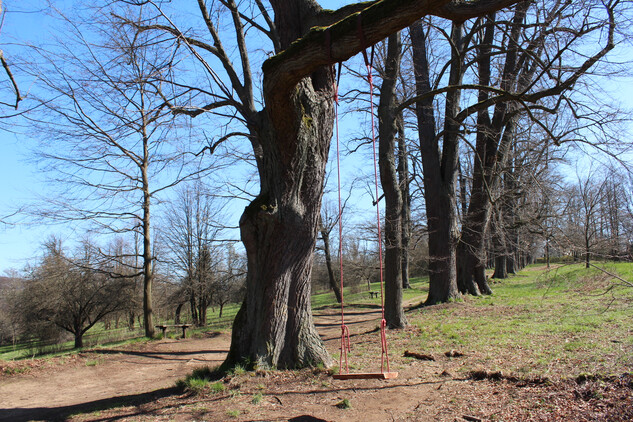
(135, 383)
(108, 374)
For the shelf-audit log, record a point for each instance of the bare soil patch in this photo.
(135, 383)
(55, 387)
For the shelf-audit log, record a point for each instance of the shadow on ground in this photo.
(61, 413)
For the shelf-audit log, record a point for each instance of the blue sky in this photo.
(20, 181)
(26, 22)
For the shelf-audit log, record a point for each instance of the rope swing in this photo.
(345, 339)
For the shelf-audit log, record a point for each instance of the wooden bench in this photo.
(183, 326)
(373, 294)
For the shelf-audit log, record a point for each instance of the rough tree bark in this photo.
(440, 169)
(387, 132)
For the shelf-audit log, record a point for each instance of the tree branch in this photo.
(380, 19)
(7, 70)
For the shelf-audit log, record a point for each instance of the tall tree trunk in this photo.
(501, 270)
(440, 170)
(405, 215)
(148, 276)
(471, 254)
(274, 327)
(334, 284)
(387, 133)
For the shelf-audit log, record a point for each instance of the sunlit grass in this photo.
(564, 322)
(358, 295)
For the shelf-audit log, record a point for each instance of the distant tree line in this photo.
(69, 290)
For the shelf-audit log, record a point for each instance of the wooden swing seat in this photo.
(366, 375)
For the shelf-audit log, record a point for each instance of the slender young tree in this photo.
(329, 221)
(108, 138)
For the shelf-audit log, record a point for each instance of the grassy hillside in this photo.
(563, 322)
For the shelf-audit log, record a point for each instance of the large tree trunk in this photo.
(501, 270)
(440, 171)
(471, 255)
(274, 326)
(78, 332)
(387, 132)
(471, 252)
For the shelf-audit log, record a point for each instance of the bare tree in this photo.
(108, 138)
(121, 260)
(440, 166)
(68, 292)
(329, 221)
(584, 212)
(512, 75)
(192, 233)
(230, 283)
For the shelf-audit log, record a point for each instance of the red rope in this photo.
(345, 343)
(345, 340)
(383, 323)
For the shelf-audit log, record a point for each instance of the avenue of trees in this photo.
(154, 128)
